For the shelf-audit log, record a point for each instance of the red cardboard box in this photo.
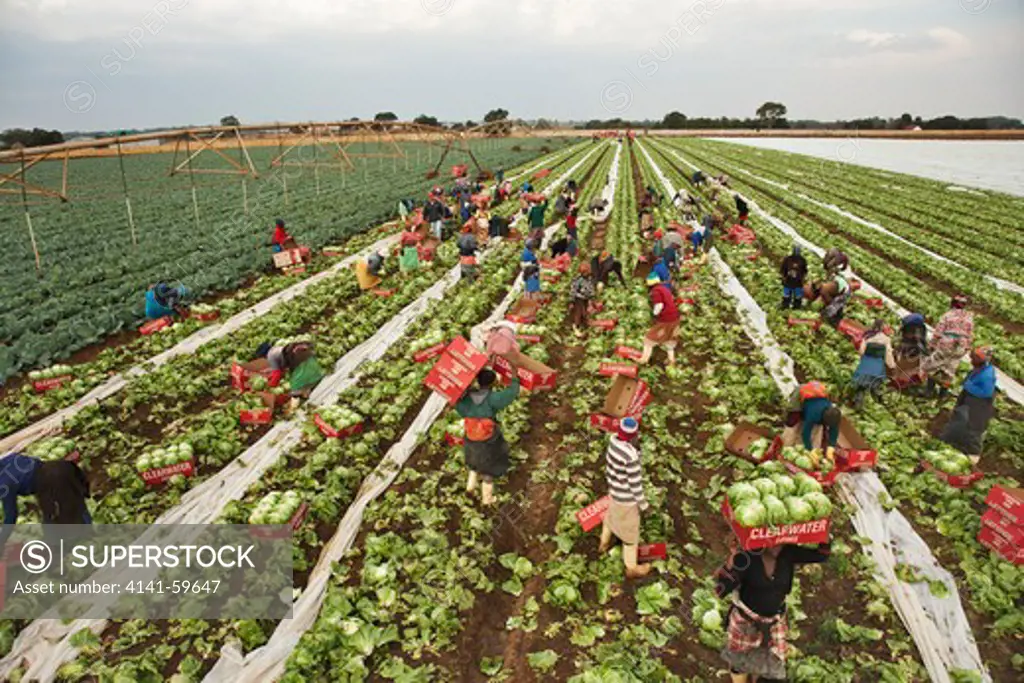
(852, 451)
(543, 173)
(686, 301)
(43, 385)
(1008, 501)
(523, 311)
(628, 353)
(452, 440)
(263, 416)
(455, 370)
(767, 537)
(613, 369)
(383, 293)
(332, 433)
(814, 323)
(291, 257)
(959, 481)
(156, 325)
(533, 374)
(993, 541)
(627, 398)
(1004, 526)
(825, 479)
(426, 354)
(740, 439)
(241, 373)
(592, 515)
(206, 317)
(606, 324)
(529, 338)
(267, 531)
(650, 552)
(159, 475)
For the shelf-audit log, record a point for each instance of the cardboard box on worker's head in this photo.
(627, 398)
(533, 374)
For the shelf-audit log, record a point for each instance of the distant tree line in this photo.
(22, 137)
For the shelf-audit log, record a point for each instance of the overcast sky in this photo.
(109, 64)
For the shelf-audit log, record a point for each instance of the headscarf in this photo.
(628, 429)
(982, 354)
(959, 301)
(585, 269)
(653, 280)
(796, 250)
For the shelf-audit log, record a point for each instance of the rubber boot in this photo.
(798, 304)
(606, 539)
(472, 481)
(858, 399)
(487, 489)
(670, 349)
(648, 350)
(786, 302)
(633, 570)
(929, 389)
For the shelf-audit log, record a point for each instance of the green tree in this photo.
(425, 120)
(496, 115)
(229, 120)
(674, 121)
(772, 113)
(385, 116)
(36, 137)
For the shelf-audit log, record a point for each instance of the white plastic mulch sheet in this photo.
(938, 626)
(53, 423)
(203, 505)
(44, 644)
(998, 282)
(267, 662)
(1010, 387)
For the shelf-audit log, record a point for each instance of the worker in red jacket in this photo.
(281, 237)
(666, 321)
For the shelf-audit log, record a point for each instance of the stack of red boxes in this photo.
(1002, 525)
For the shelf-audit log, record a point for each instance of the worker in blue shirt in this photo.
(975, 406)
(60, 488)
(661, 269)
(529, 256)
(809, 408)
(162, 300)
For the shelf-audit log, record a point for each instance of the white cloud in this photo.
(874, 38)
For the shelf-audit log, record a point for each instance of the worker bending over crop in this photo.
(297, 360)
(162, 300)
(603, 266)
(467, 253)
(876, 359)
(975, 406)
(281, 240)
(368, 272)
(913, 336)
(60, 488)
(666, 320)
(741, 208)
(581, 291)
(835, 261)
(624, 475)
(951, 339)
(487, 452)
(756, 625)
(794, 272)
(817, 418)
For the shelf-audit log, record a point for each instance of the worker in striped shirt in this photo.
(625, 486)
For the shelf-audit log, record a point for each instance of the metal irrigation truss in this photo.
(331, 145)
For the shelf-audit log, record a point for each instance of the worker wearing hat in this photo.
(626, 489)
(666, 320)
(974, 407)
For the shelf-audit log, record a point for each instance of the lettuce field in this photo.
(399, 575)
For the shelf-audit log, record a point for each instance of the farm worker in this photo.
(741, 207)
(162, 300)
(562, 204)
(700, 231)
(497, 227)
(560, 246)
(536, 215)
(433, 213)
(526, 188)
(723, 180)
(974, 407)
(666, 320)
(875, 349)
(674, 246)
(368, 271)
(487, 452)
(755, 625)
(280, 240)
(405, 207)
(571, 224)
(60, 488)
(297, 360)
(794, 272)
(572, 188)
(500, 175)
(658, 246)
(660, 269)
(581, 291)
(913, 336)
(835, 296)
(529, 256)
(645, 215)
(950, 340)
(603, 266)
(531, 275)
(596, 206)
(810, 407)
(624, 475)
(835, 261)
(410, 258)
(697, 178)
(467, 253)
